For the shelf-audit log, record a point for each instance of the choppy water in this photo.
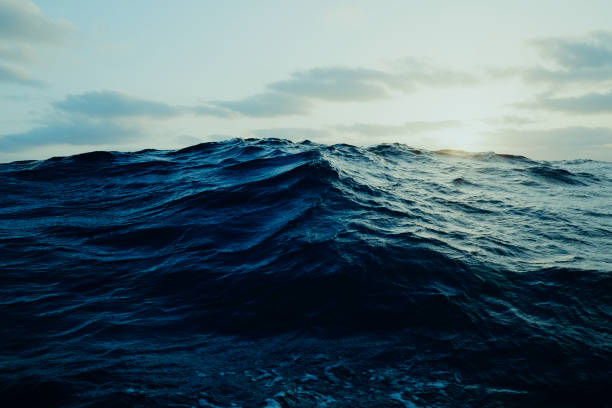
(260, 273)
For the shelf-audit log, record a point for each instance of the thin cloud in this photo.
(212, 111)
(21, 20)
(89, 119)
(111, 104)
(17, 76)
(268, 104)
(76, 132)
(413, 72)
(570, 64)
(594, 51)
(294, 96)
(511, 120)
(570, 60)
(17, 53)
(337, 84)
(593, 103)
(407, 128)
(23, 28)
(566, 76)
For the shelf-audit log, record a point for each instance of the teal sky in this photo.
(520, 77)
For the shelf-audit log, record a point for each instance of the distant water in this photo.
(265, 273)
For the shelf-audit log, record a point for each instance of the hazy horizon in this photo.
(525, 79)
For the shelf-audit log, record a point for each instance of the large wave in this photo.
(494, 267)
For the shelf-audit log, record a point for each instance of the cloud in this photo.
(75, 132)
(17, 52)
(569, 60)
(212, 111)
(594, 51)
(337, 84)
(91, 118)
(570, 65)
(413, 72)
(268, 104)
(511, 120)
(294, 96)
(22, 26)
(592, 103)
(17, 76)
(96, 118)
(561, 76)
(111, 104)
(375, 130)
(21, 20)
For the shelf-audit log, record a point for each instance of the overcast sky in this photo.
(521, 77)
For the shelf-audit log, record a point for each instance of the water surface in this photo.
(260, 273)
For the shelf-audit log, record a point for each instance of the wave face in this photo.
(280, 274)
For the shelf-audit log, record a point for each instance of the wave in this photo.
(491, 266)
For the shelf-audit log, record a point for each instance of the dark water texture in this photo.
(260, 273)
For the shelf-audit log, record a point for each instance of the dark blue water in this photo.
(260, 273)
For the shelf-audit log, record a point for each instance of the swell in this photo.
(477, 257)
(270, 223)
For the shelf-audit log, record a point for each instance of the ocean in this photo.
(268, 273)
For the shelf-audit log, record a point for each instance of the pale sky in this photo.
(521, 77)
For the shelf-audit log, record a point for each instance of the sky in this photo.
(522, 77)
